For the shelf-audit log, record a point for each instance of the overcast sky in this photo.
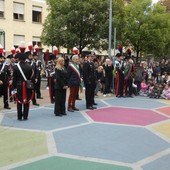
(155, 1)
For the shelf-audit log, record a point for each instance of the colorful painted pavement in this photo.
(122, 134)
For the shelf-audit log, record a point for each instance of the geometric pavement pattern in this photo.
(121, 134)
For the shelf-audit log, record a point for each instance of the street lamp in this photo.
(110, 29)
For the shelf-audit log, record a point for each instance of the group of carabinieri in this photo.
(6, 73)
(123, 74)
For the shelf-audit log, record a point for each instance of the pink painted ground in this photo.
(165, 110)
(126, 116)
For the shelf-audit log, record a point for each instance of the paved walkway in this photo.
(122, 134)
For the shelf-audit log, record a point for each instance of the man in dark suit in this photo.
(90, 79)
(23, 95)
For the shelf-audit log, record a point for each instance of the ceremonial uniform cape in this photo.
(73, 72)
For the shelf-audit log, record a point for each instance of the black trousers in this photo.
(119, 84)
(22, 110)
(60, 101)
(5, 94)
(38, 87)
(108, 84)
(128, 88)
(89, 94)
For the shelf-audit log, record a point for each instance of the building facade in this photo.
(21, 20)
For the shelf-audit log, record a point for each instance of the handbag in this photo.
(29, 83)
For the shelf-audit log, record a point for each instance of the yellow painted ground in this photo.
(164, 129)
(165, 101)
(19, 145)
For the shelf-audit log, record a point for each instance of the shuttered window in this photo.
(18, 11)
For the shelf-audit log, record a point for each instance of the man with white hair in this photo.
(74, 81)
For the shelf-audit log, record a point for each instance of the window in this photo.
(36, 41)
(18, 39)
(1, 8)
(36, 14)
(2, 38)
(18, 11)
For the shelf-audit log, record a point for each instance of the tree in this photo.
(82, 23)
(75, 23)
(147, 27)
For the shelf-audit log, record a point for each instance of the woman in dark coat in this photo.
(60, 79)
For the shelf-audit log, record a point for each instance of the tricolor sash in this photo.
(75, 68)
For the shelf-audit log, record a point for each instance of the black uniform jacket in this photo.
(18, 78)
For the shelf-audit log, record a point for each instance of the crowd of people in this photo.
(121, 76)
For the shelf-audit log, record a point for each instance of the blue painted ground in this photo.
(77, 136)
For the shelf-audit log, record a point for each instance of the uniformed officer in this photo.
(119, 67)
(50, 71)
(6, 80)
(23, 95)
(38, 64)
(31, 62)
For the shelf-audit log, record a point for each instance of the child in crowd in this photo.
(159, 78)
(166, 92)
(144, 88)
(150, 88)
(156, 91)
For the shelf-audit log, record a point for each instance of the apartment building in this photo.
(21, 20)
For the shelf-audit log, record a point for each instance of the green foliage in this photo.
(147, 27)
(81, 23)
(85, 23)
(74, 23)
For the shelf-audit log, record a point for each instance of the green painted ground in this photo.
(19, 145)
(58, 163)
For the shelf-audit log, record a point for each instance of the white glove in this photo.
(14, 91)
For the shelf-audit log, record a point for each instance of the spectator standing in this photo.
(108, 69)
(138, 77)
